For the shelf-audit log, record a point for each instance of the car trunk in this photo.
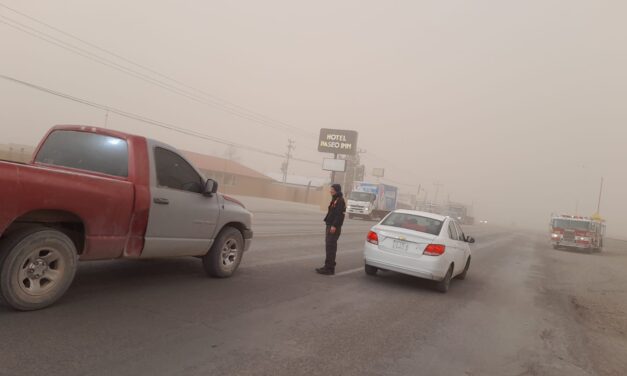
(403, 241)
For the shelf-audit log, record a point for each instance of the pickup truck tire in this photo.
(225, 255)
(37, 266)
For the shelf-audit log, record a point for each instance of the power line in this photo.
(204, 97)
(213, 101)
(109, 52)
(147, 120)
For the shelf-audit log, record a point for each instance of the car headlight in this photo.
(555, 236)
(582, 238)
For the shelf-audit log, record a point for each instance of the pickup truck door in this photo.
(182, 220)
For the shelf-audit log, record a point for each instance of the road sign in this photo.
(338, 141)
(378, 172)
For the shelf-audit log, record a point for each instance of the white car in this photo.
(420, 244)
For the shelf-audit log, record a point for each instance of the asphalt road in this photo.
(525, 309)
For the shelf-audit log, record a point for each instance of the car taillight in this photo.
(373, 238)
(434, 250)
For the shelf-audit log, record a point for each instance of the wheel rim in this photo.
(40, 271)
(229, 253)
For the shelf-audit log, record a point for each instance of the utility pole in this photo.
(600, 195)
(353, 162)
(417, 195)
(437, 190)
(288, 156)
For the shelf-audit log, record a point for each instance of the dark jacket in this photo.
(337, 210)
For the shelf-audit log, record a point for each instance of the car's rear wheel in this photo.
(370, 270)
(463, 275)
(443, 285)
(225, 255)
(37, 266)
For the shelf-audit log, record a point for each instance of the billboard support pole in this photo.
(333, 172)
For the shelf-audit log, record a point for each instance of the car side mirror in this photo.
(211, 187)
(470, 239)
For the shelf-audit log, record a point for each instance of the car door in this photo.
(182, 220)
(463, 244)
(455, 246)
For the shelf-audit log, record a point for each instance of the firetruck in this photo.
(577, 232)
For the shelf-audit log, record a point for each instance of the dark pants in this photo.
(331, 245)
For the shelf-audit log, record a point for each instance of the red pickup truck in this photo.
(98, 194)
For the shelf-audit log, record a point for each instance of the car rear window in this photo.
(414, 222)
(86, 151)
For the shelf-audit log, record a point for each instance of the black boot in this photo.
(325, 271)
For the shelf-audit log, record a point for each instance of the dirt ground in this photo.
(589, 293)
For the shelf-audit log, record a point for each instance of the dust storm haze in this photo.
(517, 107)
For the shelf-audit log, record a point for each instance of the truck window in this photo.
(85, 151)
(361, 196)
(174, 172)
(571, 224)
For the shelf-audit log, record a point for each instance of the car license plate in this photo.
(400, 245)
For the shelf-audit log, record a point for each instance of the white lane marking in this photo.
(297, 234)
(298, 258)
(351, 271)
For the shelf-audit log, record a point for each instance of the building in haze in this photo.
(237, 179)
(16, 153)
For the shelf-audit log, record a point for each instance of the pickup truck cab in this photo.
(98, 194)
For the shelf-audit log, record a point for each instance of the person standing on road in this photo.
(334, 221)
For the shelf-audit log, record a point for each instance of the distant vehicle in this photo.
(371, 200)
(420, 244)
(97, 194)
(577, 232)
(449, 209)
(483, 222)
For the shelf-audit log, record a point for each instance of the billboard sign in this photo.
(337, 165)
(338, 141)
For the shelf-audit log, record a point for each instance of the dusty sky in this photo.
(517, 106)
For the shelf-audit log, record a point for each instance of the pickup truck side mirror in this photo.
(211, 187)
(470, 239)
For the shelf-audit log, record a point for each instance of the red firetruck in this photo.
(577, 232)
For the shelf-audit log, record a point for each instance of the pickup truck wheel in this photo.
(225, 254)
(37, 266)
